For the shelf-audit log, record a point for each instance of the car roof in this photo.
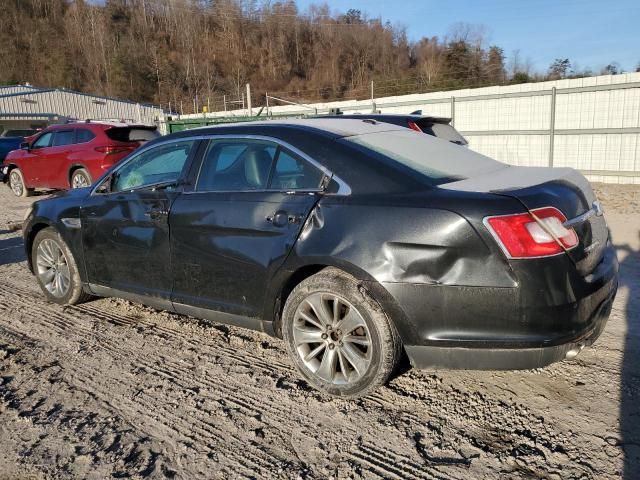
(96, 125)
(337, 127)
(397, 116)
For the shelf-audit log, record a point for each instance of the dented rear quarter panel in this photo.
(412, 240)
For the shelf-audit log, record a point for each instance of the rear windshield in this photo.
(132, 134)
(444, 131)
(440, 161)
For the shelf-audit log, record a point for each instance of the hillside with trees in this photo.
(176, 51)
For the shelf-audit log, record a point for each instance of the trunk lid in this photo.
(564, 188)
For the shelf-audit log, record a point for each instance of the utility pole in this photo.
(373, 103)
(224, 101)
(552, 126)
(266, 96)
(249, 111)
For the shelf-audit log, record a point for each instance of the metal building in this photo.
(25, 106)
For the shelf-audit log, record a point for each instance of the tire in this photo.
(51, 257)
(80, 178)
(356, 347)
(17, 185)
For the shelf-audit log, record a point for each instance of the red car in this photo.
(71, 155)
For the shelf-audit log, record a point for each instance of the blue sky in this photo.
(591, 33)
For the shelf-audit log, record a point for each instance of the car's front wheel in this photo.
(80, 178)
(56, 269)
(339, 337)
(16, 182)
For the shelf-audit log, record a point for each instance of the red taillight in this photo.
(521, 235)
(111, 149)
(414, 126)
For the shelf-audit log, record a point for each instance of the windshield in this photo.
(438, 160)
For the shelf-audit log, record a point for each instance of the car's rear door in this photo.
(235, 228)
(125, 229)
(56, 159)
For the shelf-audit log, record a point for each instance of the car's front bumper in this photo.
(485, 328)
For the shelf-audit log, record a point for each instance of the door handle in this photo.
(156, 214)
(279, 218)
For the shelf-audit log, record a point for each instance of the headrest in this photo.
(257, 163)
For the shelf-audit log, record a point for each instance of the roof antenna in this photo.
(416, 112)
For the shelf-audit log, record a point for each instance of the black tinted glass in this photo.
(132, 134)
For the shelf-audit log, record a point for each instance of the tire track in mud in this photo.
(247, 399)
(246, 459)
(252, 403)
(381, 462)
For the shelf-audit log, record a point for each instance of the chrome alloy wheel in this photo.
(52, 268)
(79, 180)
(15, 182)
(332, 338)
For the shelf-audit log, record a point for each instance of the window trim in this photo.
(343, 188)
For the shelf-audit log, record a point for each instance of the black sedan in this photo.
(355, 241)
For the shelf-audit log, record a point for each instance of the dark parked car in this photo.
(439, 127)
(8, 144)
(20, 132)
(72, 155)
(355, 242)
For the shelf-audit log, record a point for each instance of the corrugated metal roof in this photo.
(13, 89)
(75, 105)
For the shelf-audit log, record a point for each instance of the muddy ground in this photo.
(114, 389)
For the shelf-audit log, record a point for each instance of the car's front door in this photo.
(235, 228)
(34, 166)
(125, 229)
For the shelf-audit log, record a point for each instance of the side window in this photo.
(294, 173)
(43, 140)
(232, 165)
(83, 135)
(62, 137)
(157, 165)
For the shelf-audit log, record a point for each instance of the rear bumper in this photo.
(529, 326)
(427, 357)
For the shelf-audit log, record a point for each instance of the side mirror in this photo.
(105, 186)
(24, 146)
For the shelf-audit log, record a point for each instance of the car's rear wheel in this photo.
(16, 182)
(80, 178)
(339, 337)
(56, 269)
